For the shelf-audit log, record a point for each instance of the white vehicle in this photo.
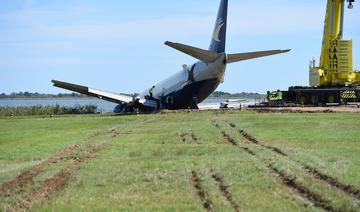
(232, 103)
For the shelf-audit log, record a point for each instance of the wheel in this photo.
(302, 100)
(331, 99)
(314, 100)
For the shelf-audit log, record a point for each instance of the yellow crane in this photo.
(334, 81)
(336, 61)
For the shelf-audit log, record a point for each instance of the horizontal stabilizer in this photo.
(232, 58)
(108, 96)
(200, 54)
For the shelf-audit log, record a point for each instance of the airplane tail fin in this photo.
(200, 54)
(218, 43)
(218, 40)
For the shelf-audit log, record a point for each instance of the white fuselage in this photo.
(201, 72)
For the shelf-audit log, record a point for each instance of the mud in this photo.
(183, 137)
(252, 139)
(344, 109)
(229, 138)
(216, 124)
(193, 137)
(314, 198)
(234, 143)
(202, 194)
(224, 190)
(55, 183)
(349, 189)
(290, 181)
(190, 135)
(18, 185)
(27, 177)
(112, 133)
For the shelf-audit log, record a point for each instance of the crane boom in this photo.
(336, 66)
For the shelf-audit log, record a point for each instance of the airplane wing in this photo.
(232, 58)
(108, 96)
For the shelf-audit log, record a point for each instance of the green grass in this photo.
(148, 166)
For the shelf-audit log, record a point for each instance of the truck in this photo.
(334, 81)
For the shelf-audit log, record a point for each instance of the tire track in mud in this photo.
(234, 143)
(252, 139)
(346, 188)
(63, 155)
(290, 181)
(349, 189)
(55, 183)
(200, 191)
(287, 179)
(79, 153)
(185, 135)
(27, 177)
(224, 190)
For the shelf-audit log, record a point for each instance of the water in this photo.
(103, 106)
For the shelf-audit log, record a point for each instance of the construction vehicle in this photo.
(334, 81)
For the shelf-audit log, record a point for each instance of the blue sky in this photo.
(118, 45)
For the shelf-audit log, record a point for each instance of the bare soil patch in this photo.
(349, 189)
(291, 182)
(77, 154)
(252, 139)
(200, 191)
(224, 190)
(55, 183)
(26, 177)
(112, 133)
(345, 109)
(191, 135)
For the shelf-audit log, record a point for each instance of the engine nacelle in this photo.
(119, 108)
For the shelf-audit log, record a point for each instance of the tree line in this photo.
(40, 95)
(216, 94)
(221, 94)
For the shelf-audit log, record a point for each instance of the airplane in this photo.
(186, 88)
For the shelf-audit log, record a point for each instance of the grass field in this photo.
(212, 161)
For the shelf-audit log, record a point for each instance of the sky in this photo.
(118, 45)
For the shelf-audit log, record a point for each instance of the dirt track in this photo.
(306, 110)
(288, 179)
(77, 154)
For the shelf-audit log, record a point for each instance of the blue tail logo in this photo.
(218, 39)
(217, 30)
